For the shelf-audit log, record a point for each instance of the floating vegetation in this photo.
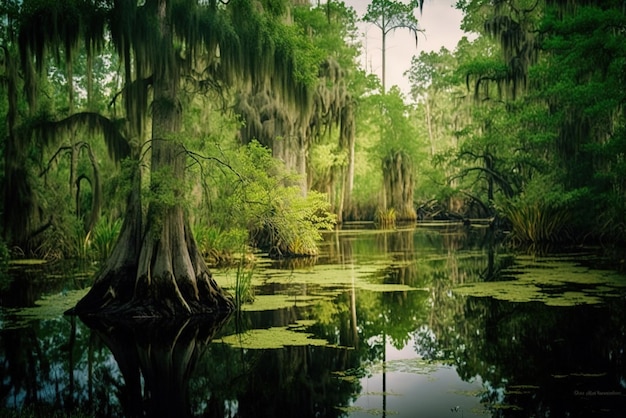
(349, 375)
(325, 278)
(469, 393)
(48, 307)
(413, 366)
(383, 287)
(275, 337)
(506, 407)
(27, 262)
(378, 393)
(280, 301)
(553, 281)
(370, 411)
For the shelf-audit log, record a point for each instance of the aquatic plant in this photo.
(554, 281)
(385, 218)
(244, 292)
(217, 244)
(536, 222)
(275, 337)
(102, 237)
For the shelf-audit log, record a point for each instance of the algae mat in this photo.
(48, 307)
(555, 281)
(361, 276)
(275, 337)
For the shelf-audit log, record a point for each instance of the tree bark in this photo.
(399, 182)
(158, 272)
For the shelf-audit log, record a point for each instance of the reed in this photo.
(102, 238)
(537, 222)
(218, 245)
(244, 292)
(385, 218)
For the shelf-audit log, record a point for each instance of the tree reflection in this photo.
(156, 359)
(535, 360)
(299, 381)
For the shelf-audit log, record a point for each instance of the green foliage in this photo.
(385, 218)
(389, 15)
(244, 292)
(397, 127)
(217, 244)
(332, 28)
(65, 238)
(611, 222)
(536, 222)
(293, 223)
(543, 213)
(251, 191)
(165, 188)
(103, 237)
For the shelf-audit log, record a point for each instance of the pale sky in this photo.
(441, 23)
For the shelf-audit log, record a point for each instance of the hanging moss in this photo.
(51, 132)
(160, 44)
(515, 29)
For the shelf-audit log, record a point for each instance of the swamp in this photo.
(438, 320)
(237, 208)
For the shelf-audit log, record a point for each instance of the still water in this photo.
(433, 321)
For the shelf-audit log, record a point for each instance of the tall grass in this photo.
(102, 238)
(217, 245)
(244, 292)
(385, 218)
(537, 222)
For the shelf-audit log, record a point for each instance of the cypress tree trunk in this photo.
(159, 271)
(398, 185)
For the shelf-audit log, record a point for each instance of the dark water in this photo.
(378, 325)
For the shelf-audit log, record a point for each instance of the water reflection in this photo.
(156, 360)
(537, 360)
(385, 351)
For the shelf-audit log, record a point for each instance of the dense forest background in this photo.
(523, 124)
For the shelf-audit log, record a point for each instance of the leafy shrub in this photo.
(252, 193)
(536, 222)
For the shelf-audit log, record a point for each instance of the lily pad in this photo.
(324, 278)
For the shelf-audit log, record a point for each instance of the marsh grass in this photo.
(244, 292)
(218, 245)
(537, 222)
(102, 238)
(385, 218)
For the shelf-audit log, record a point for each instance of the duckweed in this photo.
(553, 281)
(275, 337)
